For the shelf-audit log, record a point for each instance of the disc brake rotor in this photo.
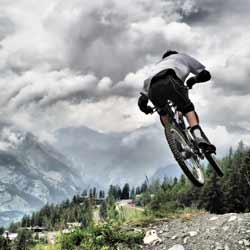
(185, 150)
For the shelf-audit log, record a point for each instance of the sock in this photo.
(196, 131)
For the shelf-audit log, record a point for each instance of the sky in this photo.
(77, 63)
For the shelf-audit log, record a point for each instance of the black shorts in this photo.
(167, 86)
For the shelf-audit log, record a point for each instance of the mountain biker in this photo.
(166, 82)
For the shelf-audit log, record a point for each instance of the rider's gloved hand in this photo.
(148, 110)
(143, 105)
(191, 81)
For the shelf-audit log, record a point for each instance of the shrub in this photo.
(105, 236)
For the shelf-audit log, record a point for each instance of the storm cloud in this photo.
(81, 63)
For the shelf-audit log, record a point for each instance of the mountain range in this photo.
(34, 172)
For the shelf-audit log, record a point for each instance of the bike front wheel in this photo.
(183, 154)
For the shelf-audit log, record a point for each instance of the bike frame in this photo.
(177, 118)
(185, 147)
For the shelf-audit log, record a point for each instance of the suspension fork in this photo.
(169, 119)
(164, 120)
(168, 115)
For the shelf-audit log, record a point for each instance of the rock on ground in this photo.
(204, 232)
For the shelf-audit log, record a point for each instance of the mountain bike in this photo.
(183, 146)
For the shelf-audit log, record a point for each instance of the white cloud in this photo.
(82, 63)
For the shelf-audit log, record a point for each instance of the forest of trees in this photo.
(219, 195)
(55, 217)
(79, 209)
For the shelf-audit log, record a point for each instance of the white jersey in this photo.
(181, 63)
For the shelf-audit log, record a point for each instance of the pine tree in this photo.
(137, 190)
(111, 191)
(183, 180)
(166, 184)
(100, 194)
(175, 181)
(87, 214)
(103, 194)
(213, 196)
(91, 193)
(125, 192)
(132, 193)
(119, 193)
(155, 186)
(94, 192)
(244, 182)
(144, 186)
(23, 240)
(4, 243)
(233, 182)
(84, 193)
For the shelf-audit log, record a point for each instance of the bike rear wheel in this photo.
(179, 145)
(214, 163)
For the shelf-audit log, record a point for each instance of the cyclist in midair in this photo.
(166, 82)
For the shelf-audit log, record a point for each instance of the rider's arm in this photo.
(198, 69)
(143, 104)
(203, 76)
(143, 99)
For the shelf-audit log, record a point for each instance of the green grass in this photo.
(138, 218)
(131, 213)
(46, 247)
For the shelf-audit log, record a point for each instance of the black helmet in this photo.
(168, 53)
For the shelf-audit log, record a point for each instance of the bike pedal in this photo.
(209, 151)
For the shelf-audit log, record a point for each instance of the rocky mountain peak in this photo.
(32, 173)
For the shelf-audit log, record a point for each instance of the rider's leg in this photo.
(192, 118)
(197, 132)
(193, 121)
(189, 111)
